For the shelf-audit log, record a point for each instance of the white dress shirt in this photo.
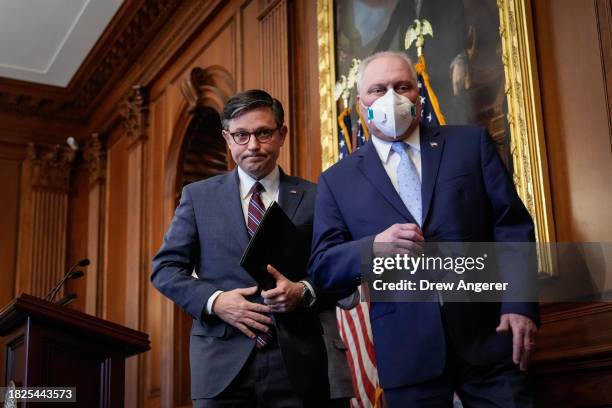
(390, 159)
(270, 184)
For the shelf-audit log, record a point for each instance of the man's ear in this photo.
(283, 133)
(226, 135)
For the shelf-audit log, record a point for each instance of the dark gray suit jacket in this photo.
(208, 234)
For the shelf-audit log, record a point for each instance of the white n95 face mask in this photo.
(392, 114)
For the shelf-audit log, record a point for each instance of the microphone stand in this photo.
(71, 272)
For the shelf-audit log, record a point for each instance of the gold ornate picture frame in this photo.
(527, 143)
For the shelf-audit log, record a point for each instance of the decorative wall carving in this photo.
(23, 97)
(50, 166)
(135, 111)
(128, 34)
(94, 154)
(209, 87)
(204, 89)
(131, 41)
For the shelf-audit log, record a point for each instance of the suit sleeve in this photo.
(177, 258)
(335, 263)
(513, 226)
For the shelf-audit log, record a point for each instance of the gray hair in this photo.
(364, 64)
(247, 101)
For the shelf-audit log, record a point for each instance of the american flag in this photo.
(431, 115)
(354, 326)
(363, 134)
(349, 138)
(345, 144)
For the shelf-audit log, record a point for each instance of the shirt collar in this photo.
(270, 182)
(383, 148)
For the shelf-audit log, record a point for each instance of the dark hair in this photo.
(246, 101)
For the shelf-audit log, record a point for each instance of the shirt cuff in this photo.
(210, 302)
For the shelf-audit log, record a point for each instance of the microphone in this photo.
(71, 274)
(76, 274)
(67, 299)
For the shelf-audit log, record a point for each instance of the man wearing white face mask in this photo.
(412, 184)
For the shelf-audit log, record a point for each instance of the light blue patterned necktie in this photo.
(408, 182)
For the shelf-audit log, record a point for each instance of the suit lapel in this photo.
(432, 146)
(231, 206)
(289, 194)
(375, 173)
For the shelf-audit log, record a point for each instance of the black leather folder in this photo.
(276, 242)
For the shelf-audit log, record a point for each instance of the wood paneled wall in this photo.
(11, 156)
(43, 215)
(124, 180)
(78, 227)
(274, 57)
(35, 171)
(114, 276)
(576, 116)
(573, 366)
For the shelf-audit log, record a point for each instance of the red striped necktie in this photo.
(256, 208)
(256, 212)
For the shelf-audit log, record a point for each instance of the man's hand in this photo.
(286, 296)
(523, 337)
(234, 309)
(398, 238)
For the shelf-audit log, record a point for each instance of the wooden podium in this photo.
(45, 345)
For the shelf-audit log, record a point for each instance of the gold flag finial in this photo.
(346, 83)
(416, 33)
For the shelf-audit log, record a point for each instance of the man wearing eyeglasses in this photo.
(250, 349)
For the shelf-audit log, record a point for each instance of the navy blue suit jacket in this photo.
(208, 234)
(467, 196)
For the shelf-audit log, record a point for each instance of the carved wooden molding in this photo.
(125, 38)
(94, 154)
(265, 6)
(210, 86)
(50, 166)
(132, 40)
(41, 100)
(207, 87)
(134, 112)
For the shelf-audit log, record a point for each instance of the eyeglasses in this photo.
(243, 137)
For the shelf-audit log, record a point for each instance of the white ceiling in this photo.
(45, 41)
